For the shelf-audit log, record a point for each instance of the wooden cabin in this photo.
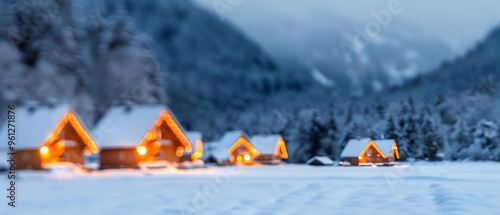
(234, 147)
(272, 148)
(49, 135)
(140, 135)
(320, 161)
(196, 152)
(368, 152)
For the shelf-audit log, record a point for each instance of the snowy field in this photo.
(441, 188)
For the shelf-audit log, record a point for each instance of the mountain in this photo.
(478, 71)
(209, 66)
(317, 37)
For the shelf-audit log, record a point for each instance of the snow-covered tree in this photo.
(390, 131)
(460, 140)
(305, 138)
(127, 69)
(330, 140)
(432, 140)
(485, 141)
(407, 126)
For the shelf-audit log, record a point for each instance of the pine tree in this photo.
(432, 141)
(404, 132)
(330, 141)
(460, 140)
(317, 133)
(12, 83)
(390, 131)
(128, 59)
(306, 136)
(485, 141)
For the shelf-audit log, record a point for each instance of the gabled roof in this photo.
(219, 149)
(126, 126)
(221, 154)
(385, 146)
(229, 138)
(354, 147)
(33, 125)
(321, 159)
(266, 144)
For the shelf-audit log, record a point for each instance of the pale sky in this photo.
(459, 23)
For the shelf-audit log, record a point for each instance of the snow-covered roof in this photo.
(229, 138)
(265, 144)
(211, 149)
(322, 159)
(354, 147)
(221, 154)
(126, 126)
(193, 137)
(33, 125)
(385, 146)
(218, 149)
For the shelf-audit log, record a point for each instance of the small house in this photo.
(367, 152)
(320, 161)
(48, 135)
(195, 138)
(271, 148)
(233, 147)
(140, 135)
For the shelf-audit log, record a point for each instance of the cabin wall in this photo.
(167, 153)
(73, 155)
(240, 152)
(118, 158)
(372, 156)
(168, 134)
(69, 133)
(28, 159)
(352, 160)
(389, 159)
(185, 157)
(267, 157)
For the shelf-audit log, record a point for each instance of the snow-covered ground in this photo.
(440, 188)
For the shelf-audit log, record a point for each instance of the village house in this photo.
(234, 147)
(367, 152)
(320, 161)
(140, 135)
(272, 148)
(47, 136)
